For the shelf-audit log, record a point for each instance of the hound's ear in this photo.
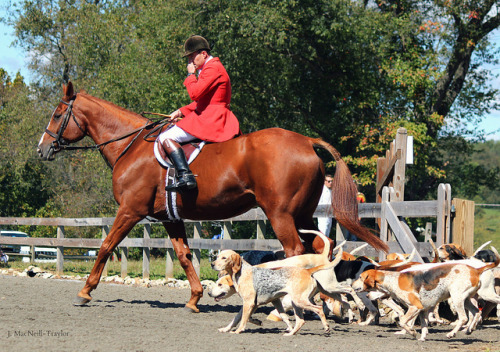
(227, 280)
(370, 278)
(456, 253)
(236, 260)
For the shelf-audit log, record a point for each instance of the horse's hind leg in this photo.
(177, 234)
(124, 222)
(284, 227)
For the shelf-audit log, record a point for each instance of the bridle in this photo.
(59, 143)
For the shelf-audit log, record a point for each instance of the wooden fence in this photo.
(391, 215)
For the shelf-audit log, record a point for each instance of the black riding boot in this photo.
(185, 178)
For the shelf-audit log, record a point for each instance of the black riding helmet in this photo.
(194, 44)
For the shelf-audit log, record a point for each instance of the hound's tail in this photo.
(326, 249)
(344, 202)
(332, 264)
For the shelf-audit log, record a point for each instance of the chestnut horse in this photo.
(275, 169)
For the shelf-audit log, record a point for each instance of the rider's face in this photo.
(198, 58)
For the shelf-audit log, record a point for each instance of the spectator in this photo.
(325, 222)
(4, 258)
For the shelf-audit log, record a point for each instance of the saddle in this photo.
(191, 149)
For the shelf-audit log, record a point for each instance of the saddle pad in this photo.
(191, 150)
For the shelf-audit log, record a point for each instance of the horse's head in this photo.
(63, 127)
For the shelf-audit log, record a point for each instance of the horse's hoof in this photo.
(81, 300)
(191, 308)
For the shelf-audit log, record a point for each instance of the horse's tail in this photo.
(344, 202)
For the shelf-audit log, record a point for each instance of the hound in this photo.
(422, 289)
(489, 290)
(451, 251)
(328, 282)
(223, 289)
(258, 286)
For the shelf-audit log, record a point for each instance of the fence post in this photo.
(384, 236)
(443, 214)
(32, 251)
(169, 263)
(105, 231)
(124, 263)
(228, 228)
(400, 165)
(447, 223)
(428, 231)
(196, 252)
(463, 224)
(146, 253)
(60, 252)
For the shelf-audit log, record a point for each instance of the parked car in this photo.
(12, 248)
(42, 254)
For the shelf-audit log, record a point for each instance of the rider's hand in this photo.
(191, 68)
(176, 116)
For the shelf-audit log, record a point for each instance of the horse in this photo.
(275, 169)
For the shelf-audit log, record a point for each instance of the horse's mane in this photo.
(107, 105)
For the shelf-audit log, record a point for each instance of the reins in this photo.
(60, 144)
(155, 125)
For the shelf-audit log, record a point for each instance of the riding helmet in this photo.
(195, 43)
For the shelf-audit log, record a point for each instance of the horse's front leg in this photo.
(124, 222)
(177, 234)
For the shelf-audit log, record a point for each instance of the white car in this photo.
(42, 254)
(12, 248)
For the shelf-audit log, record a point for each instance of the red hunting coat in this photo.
(208, 117)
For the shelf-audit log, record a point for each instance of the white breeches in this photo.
(176, 134)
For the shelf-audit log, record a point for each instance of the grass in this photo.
(134, 268)
(486, 227)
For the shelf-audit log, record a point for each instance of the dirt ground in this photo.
(38, 315)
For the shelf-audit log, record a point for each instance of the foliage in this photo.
(22, 175)
(488, 155)
(353, 72)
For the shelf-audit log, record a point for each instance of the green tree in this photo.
(350, 72)
(22, 186)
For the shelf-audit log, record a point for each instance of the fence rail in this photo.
(388, 212)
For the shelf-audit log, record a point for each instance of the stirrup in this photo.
(183, 183)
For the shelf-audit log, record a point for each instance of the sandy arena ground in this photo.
(38, 315)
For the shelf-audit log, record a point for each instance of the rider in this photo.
(208, 117)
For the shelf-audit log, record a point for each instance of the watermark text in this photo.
(36, 333)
